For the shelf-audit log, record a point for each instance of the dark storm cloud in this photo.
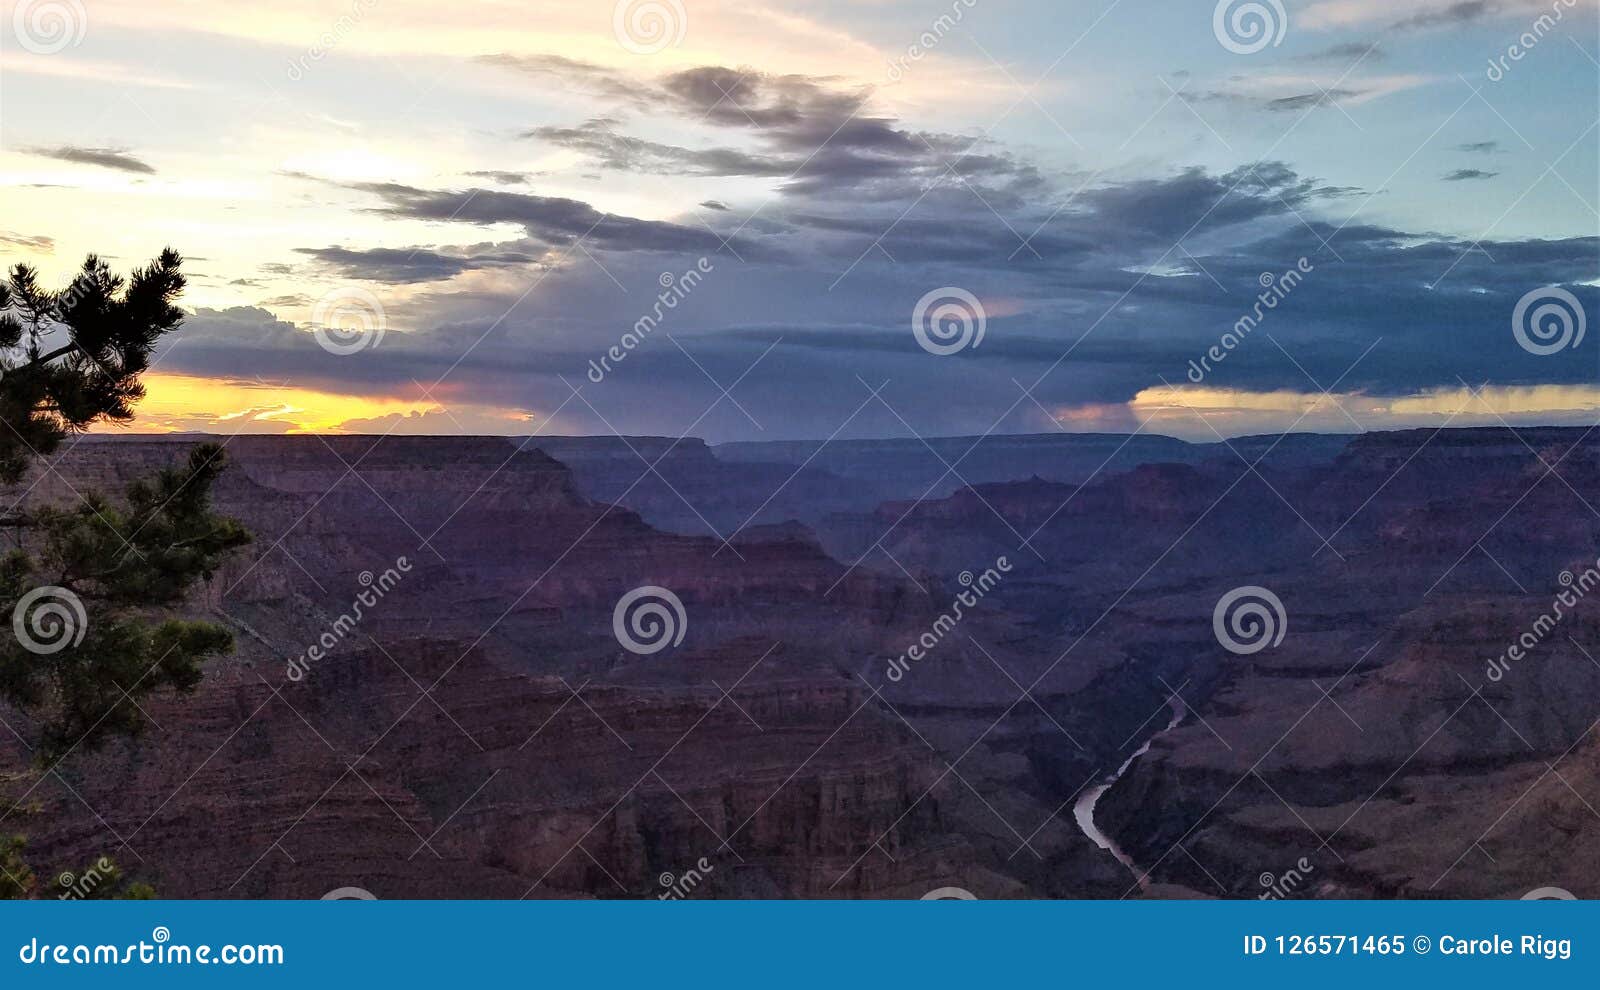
(1085, 240)
(1465, 174)
(1109, 224)
(549, 219)
(398, 265)
(1439, 309)
(219, 342)
(1479, 147)
(1121, 282)
(112, 158)
(964, 237)
(1391, 289)
(1090, 234)
(1195, 200)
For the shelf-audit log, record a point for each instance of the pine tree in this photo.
(86, 584)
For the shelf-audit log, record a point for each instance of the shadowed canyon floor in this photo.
(480, 732)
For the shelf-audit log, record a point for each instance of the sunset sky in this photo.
(474, 201)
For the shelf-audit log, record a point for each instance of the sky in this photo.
(804, 220)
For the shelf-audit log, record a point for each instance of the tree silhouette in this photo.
(84, 585)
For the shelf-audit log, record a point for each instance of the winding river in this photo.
(1083, 810)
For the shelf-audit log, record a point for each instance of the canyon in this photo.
(481, 731)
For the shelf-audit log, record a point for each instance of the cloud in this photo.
(258, 414)
(293, 299)
(550, 220)
(588, 77)
(1460, 12)
(596, 139)
(1195, 200)
(503, 178)
(1466, 174)
(1479, 147)
(82, 70)
(1097, 287)
(31, 242)
(1302, 101)
(1199, 413)
(112, 158)
(1296, 92)
(455, 419)
(816, 134)
(1370, 51)
(1413, 14)
(1108, 310)
(404, 265)
(499, 277)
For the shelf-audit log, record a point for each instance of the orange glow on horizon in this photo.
(185, 403)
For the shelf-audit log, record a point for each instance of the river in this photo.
(1083, 810)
